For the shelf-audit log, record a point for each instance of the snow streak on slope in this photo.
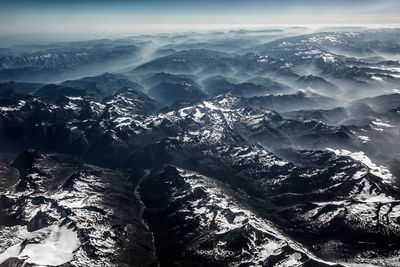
(223, 230)
(375, 169)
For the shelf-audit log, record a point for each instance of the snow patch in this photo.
(375, 169)
(376, 78)
(364, 139)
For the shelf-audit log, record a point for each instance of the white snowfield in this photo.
(52, 246)
(61, 243)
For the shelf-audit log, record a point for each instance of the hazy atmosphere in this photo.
(123, 16)
(200, 133)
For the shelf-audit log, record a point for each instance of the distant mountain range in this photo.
(202, 150)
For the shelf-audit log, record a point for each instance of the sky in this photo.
(89, 16)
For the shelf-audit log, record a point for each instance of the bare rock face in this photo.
(39, 221)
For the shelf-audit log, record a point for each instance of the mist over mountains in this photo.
(264, 147)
